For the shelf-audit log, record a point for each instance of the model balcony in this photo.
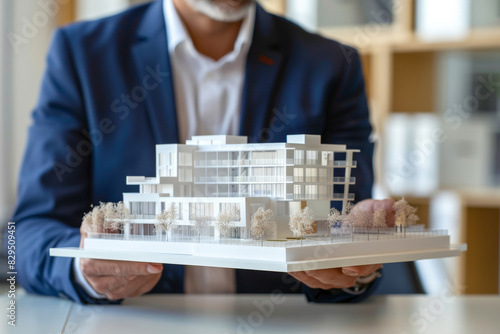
(138, 180)
(242, 162)
(242, 179)
(343, 163)
(350, 197)
(343, 180)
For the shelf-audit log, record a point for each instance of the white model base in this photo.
(279, 259)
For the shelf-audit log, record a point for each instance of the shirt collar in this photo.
(177, 33)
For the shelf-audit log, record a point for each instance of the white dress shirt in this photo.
(208, 97)
(208, 93)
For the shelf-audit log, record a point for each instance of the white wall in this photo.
(4, 152)
(22, 68)
(92, 9)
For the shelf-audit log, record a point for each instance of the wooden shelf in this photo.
(473, 197)
(479, 39)
(480, 197)
(403, 42)
(67, 12)
(274, 6)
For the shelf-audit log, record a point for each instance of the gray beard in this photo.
(217, 12)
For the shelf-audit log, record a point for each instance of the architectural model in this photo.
(220, 201)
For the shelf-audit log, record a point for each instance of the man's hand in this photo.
(118, 279)
(121, 279)
(335, 278)
(338, 278)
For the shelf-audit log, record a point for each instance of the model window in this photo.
(185, 159)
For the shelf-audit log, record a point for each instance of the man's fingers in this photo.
(113, 287)
(358, 271)
(137, 287)
(146, 286)
(309, 281)
(335, 278)
(94, 268)
(325, 275)
(104, 284)
(325, 279)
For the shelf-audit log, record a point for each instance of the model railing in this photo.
(350, 197)
(270, 162)
(185, 234)
(231, 179)
(144, 216)
(343, 163)
(242, 162)
(228, 194)
(272, 179)
(352, 180)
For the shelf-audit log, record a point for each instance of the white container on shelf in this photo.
(315, 14)
(466, 158)
(427, 138)
(397, 173)
(411, 158)
(442, 20)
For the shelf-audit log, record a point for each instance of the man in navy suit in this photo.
(113, 89)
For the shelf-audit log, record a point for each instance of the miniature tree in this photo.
(165, 220)
(405, 214)
(346, 218)
(96, 217)
(399, 211)
(199, 223)
(116, 214)
(335, 218)
(301, 222)
(347, 208)
(226, 219)
(379, 220)
(261, 223)
(88, 218)
(360, 219)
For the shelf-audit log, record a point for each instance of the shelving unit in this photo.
(400, 72)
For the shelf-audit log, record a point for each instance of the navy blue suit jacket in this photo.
(107, 98)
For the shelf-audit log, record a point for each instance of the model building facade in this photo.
(211, 174)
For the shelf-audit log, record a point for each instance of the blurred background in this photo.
(432, 70)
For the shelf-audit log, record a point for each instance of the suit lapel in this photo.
(262, 72)
(152, 62)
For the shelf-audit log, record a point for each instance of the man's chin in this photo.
(232, 5)
(222, 10)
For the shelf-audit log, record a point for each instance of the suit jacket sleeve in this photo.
(348, 123)
(54, 186)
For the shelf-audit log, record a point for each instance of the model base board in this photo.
(282, 259)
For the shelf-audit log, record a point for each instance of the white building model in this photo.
(213, 174)
(220, 201)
